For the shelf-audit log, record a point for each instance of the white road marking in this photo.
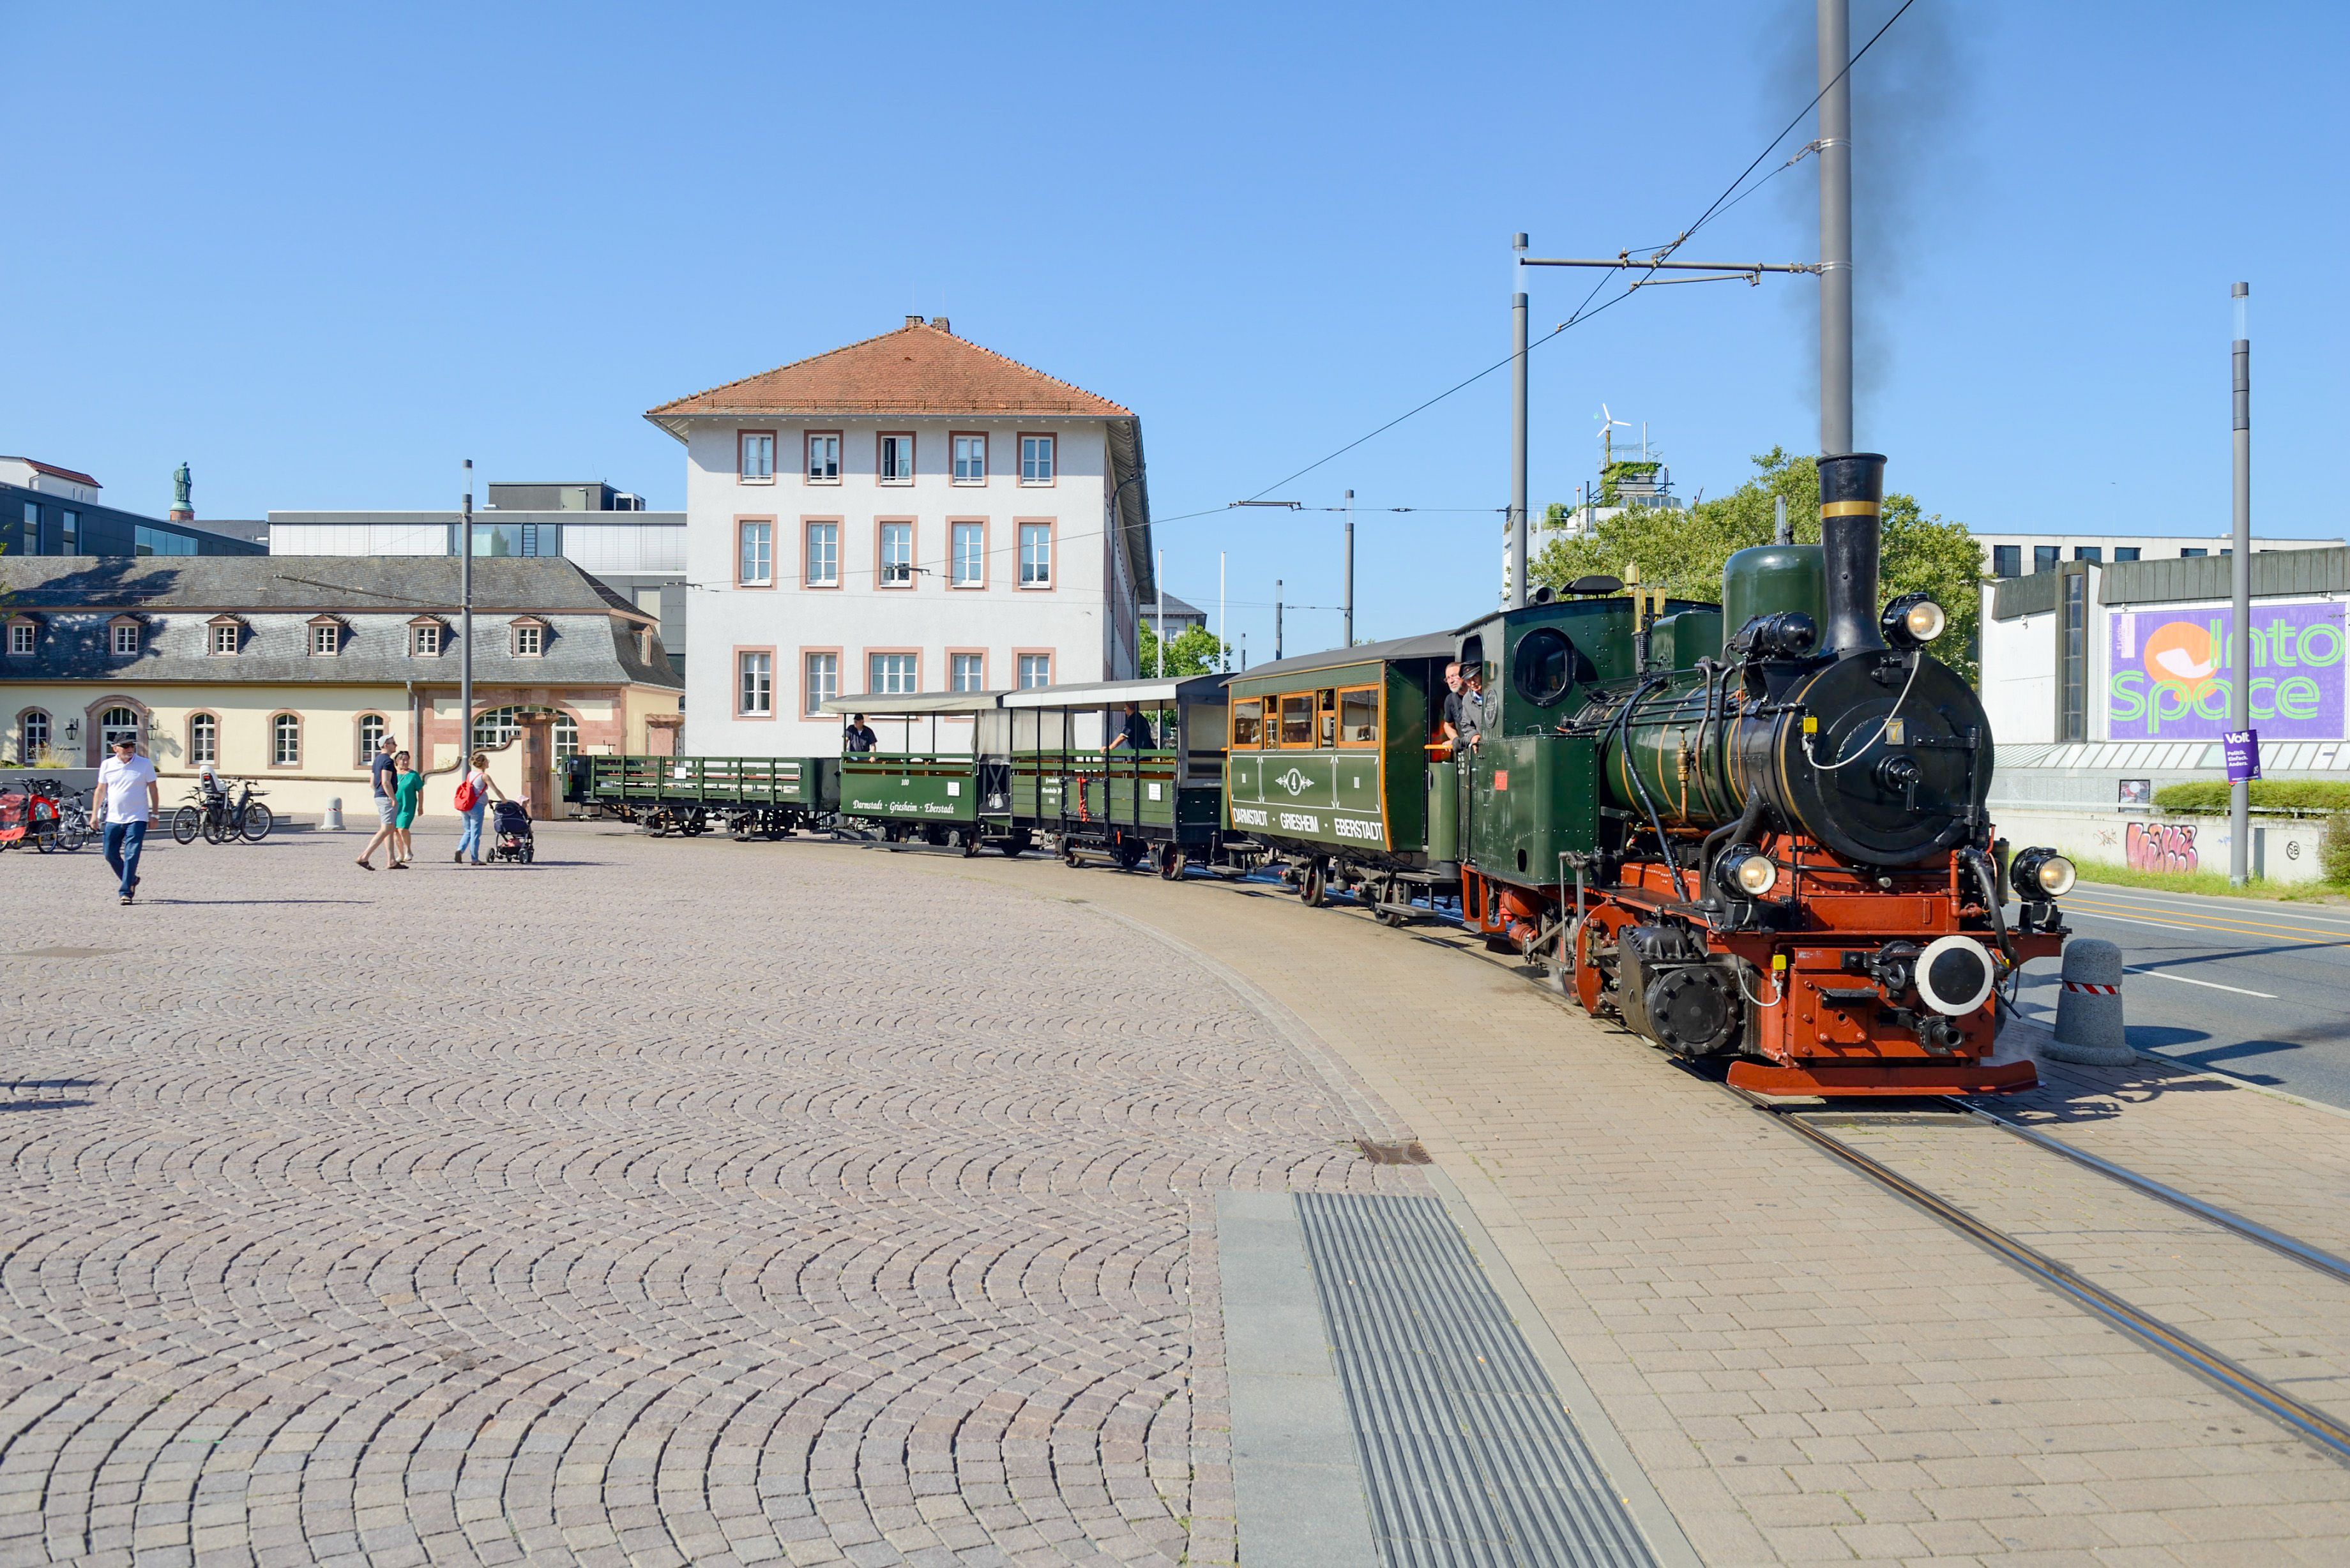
(2211, 985)
(2126, 920)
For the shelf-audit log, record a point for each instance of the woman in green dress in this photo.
(408, 799)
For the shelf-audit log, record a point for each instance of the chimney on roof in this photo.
(913, 321)
(941, 323)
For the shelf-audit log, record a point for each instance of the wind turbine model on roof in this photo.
(1608, 425)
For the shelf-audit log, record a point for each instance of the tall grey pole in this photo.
(1350, 557)
(1836, 227)
(1276, 620)
(2240, 631)
(1517, 427)
(1162, 614)
(1223, 626)
(465, 625)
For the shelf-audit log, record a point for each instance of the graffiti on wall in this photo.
(2160, 847)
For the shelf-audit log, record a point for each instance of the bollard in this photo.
(333, 821)
(2089, 1008)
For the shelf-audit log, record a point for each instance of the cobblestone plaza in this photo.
(699, 1202)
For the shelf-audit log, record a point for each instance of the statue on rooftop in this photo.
(182, 480)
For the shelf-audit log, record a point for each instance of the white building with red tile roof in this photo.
(912, 512)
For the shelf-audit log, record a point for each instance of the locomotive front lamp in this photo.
(2041, 874)
(1745, 872)
(1913, 620)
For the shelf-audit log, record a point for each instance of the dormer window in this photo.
(123, 636)
(426, 637)
(529, 637)
(23, 636)
(224, 634)
(326, 635)
(224, 639)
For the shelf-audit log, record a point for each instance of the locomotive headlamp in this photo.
(2039, 874)
(1913, 620)
(1745, 872)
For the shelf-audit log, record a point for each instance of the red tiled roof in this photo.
(917, 371)
(37, 466)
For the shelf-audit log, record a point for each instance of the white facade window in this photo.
(529, 641)
(758, 563)
(967, 552)
(967, 672)
(1035, 669)
(224, 639)
(286, 741)
(823, 458)
(820, 681)
(204, 739)
(758, 458)
(372, 729)
(971, 460)
(1036, 555)
(757, 685)
(126, 635)
(823, 555)
(890, 674)
(23, 636)
(428, 641)
(36, 737)
(325, 639)
(897, 554)
(1035, 459)
(897, 459)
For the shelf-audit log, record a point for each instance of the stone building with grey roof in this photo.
(286, 669)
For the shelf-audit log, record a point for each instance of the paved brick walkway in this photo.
(663, 1202)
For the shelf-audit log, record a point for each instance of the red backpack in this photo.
(465, 793)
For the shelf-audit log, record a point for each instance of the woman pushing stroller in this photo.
(475, 792)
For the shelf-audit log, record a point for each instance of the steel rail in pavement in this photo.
(2298, 1251)
(2318, 1429)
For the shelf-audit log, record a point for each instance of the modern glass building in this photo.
(46, 510)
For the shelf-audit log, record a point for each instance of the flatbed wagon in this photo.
(762, 797)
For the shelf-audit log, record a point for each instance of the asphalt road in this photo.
(2243, 986)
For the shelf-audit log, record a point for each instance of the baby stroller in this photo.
(510, 826)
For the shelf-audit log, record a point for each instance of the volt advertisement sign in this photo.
(2167, 677)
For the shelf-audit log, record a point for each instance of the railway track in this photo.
(2316, 1426)
(2326, 1432)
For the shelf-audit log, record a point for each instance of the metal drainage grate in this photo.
(1468, 1454)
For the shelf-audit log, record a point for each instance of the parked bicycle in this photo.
(222, 815)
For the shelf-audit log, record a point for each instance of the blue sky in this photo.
(323, 252)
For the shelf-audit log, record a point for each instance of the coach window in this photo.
(1297, 719)
(1326, 708)
(1248, 724)
(1358, 716)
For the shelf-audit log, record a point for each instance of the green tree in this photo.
(1683, 551)
(1191, 652)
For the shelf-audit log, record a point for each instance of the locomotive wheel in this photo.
(1130, 851)
(1313, 885)
(1017, 845)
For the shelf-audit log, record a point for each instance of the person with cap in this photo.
(128, 799)
(859, 737)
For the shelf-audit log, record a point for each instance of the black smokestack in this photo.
(1852, 499)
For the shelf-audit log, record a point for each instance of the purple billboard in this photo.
(2167, 679)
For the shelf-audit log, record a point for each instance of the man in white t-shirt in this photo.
(127, 801)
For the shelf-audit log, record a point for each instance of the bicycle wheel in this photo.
(186, 823)
(257, 823)
(217, 830)
(71, 836)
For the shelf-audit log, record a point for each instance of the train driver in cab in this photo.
(1448, 724)
(1135, 733)
(1469, 711)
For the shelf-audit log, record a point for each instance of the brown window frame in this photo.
(1376, 700)
(1284, 742)
(1256, 742)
